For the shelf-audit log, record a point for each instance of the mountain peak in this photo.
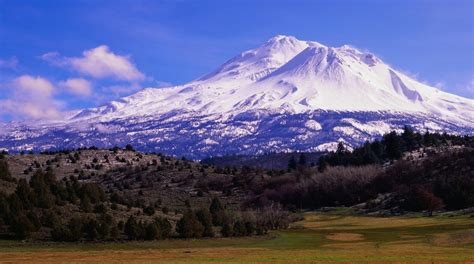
(278, 38)
(302, 76)
(255, 64)
(286, 94)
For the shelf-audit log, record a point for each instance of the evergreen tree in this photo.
(227, 230)
(131, 228)
(152, 231)
(189, 226)
(24, 193)
(322, 164)
(21, 226)
(217, 211)
(129, 147)
(5, 171)
(164, 227)
(409, 139)
(250, 228)
(205, 218)
(76, 227)
(292, 164)
(91, 229)
(393, 145)
(340, 148)
(302, 160)
(239, 228)
(41, 183)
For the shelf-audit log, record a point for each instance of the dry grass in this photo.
(345, 237)
(317, 239)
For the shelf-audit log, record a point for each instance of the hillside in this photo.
(92, 194)
(44, 196)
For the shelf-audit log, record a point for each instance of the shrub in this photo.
(149, 210)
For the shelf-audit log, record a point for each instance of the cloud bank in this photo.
(35, 97)
(99, 62)
(31, 97)
(77, 86)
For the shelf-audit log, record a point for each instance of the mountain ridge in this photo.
(246, 101)
(285, 66)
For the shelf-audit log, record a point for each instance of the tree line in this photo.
(441, 181)
(390, 147)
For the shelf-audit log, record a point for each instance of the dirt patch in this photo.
(345, 237)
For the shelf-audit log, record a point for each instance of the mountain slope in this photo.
(285, 95)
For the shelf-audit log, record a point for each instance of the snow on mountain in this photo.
(285, 95)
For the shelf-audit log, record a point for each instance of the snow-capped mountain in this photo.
(285, 95)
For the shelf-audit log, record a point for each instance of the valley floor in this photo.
(319, 238)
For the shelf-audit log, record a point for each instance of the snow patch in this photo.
(313, 124)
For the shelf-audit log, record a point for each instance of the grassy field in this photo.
(319, 238)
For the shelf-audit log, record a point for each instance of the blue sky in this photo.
(54, 44)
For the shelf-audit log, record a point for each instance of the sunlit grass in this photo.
(319, 238)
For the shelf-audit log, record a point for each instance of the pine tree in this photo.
(227, 230)
(5, 171)
(340, 148)
(131, 228)
(250, 228)
(76, 227)
(129, 147)
(91, 229)
(292, 163)
(189, 226)
(21, 226)
(239, 228)
(164, 227)
(393, 145)
(302, 160)
(216, 210)
(205, 218)
(152, 231)
(24, 193)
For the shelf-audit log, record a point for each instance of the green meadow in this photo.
(319, 238)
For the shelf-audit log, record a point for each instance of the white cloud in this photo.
(77, 86)
(54, 59)
(99, 62)
(30, 97)
(37, 86)
(10, 63)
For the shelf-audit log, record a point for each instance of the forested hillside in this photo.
(117, 194)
